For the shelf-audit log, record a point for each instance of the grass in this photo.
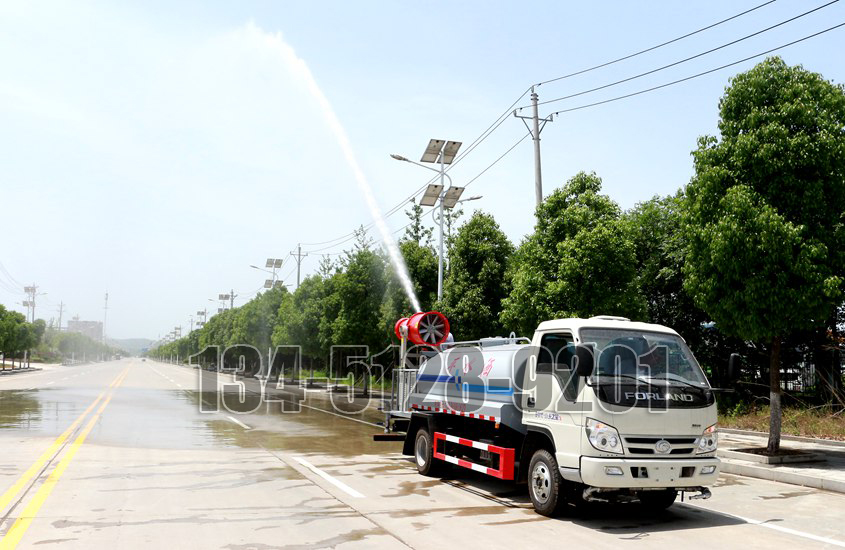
(827, 423)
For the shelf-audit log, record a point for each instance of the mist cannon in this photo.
(429, 328)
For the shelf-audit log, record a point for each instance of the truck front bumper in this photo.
(638, 473)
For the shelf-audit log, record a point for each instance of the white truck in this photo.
(590, 409)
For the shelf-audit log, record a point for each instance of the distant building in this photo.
(91, 329)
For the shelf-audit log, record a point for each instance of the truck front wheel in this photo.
(427, 465)
(545, 484)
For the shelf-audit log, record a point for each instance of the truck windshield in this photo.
(646, 356)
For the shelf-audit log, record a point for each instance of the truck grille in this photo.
(645, 445)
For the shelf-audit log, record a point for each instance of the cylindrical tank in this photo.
(479, 381)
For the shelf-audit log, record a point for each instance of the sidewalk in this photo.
(9, 371)
(827, 474)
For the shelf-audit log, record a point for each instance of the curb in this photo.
(773, 474)
(798, 438)
(18, 371)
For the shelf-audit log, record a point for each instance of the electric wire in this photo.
(680, 80)
(652, 48)
(503, 155)
(681, 61)
(333, 243)
(343, 239)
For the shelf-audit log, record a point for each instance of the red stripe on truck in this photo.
(506, 456)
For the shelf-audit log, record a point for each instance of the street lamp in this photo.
(273, 264)
(443, 152)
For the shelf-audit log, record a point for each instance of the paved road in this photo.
(118, 455)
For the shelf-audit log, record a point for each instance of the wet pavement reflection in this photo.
(157, 418)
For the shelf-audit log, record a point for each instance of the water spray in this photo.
(301, 68)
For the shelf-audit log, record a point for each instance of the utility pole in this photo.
(31, 292)
(105, 315)
(192, 323)
(232, 299)
(299, 255)
(61, 310)
(535, 130)
(440, 237)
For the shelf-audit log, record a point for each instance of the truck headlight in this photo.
(603, 437)
(709, 440)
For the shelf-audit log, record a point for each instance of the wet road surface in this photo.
(118, 455)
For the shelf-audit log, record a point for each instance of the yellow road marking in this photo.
(33, 470)
(16, 532)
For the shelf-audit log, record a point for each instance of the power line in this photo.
(679, 62)
(9, 275)
(333, 243)
(512, 147)
(699, 74)
(13, 286)
(338, 241)
(652, 48)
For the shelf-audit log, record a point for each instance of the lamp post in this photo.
(273, 264)
(443, 153)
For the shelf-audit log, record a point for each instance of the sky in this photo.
(155, 150)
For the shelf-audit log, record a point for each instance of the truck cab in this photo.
(640, 420)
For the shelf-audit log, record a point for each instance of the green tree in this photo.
(477, 284)
(417, 231)
(421, 261)
(299, 318)
(580, 261)
(764, 219)
(255, 321)
(8, 332)
(358, 290)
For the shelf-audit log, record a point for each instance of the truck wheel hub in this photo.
(541, 481)
(422, 448)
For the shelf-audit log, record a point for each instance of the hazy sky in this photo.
(154, 150)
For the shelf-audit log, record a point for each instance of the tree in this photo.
(299, 318)
(7, 332)
(421, 261)
(765, 254)
(477, 285)
(359, 290)
(417, 232)
(255, 321)
(580, 261)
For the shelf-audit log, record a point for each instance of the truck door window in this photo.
(555, 357)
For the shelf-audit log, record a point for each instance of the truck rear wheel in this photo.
(658, 500)
(545, 484)
(427, 465)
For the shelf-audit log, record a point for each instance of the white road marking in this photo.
(238, 422)
(795, 532)
(337, 483)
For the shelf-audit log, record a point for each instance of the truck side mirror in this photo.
(584, 354)
(734, 364)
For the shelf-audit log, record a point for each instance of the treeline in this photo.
(749, 257)
(20, 339)
(18, 336)
(586, 257)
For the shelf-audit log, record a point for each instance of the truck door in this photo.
(556, 405)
